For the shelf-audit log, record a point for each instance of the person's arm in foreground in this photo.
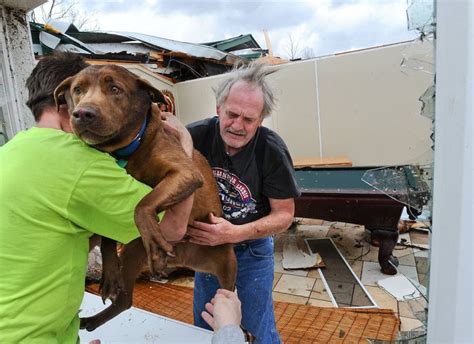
(223, 314)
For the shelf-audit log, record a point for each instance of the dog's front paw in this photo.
(89, 323)
(157, 260)
(111, 285)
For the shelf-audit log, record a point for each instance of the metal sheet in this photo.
(171, 45)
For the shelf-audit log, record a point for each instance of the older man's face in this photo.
(240, 116)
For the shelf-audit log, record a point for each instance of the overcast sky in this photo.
(320, 27)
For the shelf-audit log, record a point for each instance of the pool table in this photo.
(341, 194)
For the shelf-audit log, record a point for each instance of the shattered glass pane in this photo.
(420, 15)
(401, 183)
(404, 337)
(418, 56)
(428, 102)
(419, 63)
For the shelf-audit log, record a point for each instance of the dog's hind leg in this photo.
(111, 283)
(133, 257)
(227, 272)
(219, 261)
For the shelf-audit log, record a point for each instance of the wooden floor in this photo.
(296, 323)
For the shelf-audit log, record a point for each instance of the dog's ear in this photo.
(60, 92)
(155, 94)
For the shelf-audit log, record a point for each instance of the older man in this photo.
(254, 172)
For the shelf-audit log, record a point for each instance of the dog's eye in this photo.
(77, 90)
(115, 90)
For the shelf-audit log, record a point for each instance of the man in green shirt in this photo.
(56, 192)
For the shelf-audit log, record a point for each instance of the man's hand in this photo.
(218, 232)
(174, 127)
(224, 309)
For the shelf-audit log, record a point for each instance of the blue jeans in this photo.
(254, 288)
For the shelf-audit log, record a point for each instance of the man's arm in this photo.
(175, 221)
(221, 231)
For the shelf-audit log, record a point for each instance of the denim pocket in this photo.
(262, 248)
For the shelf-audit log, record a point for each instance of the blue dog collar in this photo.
(123, 153)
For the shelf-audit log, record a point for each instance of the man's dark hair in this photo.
(49, 72)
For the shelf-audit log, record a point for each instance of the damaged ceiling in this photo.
(174, 60)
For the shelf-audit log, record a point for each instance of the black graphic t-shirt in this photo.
(244, 183)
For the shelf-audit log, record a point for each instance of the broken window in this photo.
(420, 16)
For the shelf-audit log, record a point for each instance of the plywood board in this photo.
(322, 161)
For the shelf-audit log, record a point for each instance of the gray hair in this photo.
(254, 74)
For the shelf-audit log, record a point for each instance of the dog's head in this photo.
(107, 104)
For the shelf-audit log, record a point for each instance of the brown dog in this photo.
(108, 107)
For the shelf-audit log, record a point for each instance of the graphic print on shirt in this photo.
(236, 198)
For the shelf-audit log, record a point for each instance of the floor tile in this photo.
(295, 285)
(352, 242)
(319, 291)
(312, 231)
(407, 260)
(371, 273)
(404, 238)
(349, 240)
(419, 238)
(404, 310)
(408, 324)
(289, 298)
(414, 308)
(320, 303)
(370, 253)
(343, 293)
(184, 281)
(408, 271)
(308, 221)
(314, 273)
(422, 264)
(356, 266)
(382, 298)
(340, 225)
(360, 298)
(423, 279)
(279, 267)
(278, 242)
(400, 251)
(421, 253)
(276, 278)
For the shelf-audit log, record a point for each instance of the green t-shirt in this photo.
(55, 192)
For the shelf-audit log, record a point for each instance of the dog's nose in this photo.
(84, 114)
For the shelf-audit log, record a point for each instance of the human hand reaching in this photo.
(224, 309)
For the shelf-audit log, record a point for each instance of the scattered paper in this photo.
(399, 287)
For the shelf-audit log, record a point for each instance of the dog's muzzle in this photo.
(84, 115)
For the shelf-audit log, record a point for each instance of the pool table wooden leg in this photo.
(387, 240)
